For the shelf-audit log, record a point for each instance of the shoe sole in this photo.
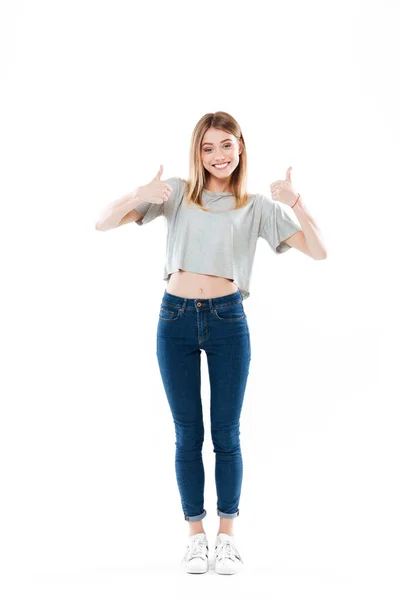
(194, 571)
(221, 571)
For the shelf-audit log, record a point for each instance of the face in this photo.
(220, 147)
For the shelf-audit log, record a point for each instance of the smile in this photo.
(221, 166)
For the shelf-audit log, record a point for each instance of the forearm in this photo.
(311, 232)
(116, 210)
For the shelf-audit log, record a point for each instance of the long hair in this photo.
(198, 176)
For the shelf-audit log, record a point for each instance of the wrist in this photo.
(296, 201)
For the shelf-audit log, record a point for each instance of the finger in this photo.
(159, 173)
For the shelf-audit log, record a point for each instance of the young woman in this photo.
(213, 228)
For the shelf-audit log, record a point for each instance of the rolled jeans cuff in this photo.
(196, 517)
(227, 515)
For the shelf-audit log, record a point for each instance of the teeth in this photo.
(221, 166)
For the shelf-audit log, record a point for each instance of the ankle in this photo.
(195, 531)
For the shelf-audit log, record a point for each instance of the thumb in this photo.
(159, 174)
(288, 178)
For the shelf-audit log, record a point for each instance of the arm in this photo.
(119, 212)
(309, 240)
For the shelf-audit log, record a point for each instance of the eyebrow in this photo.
(226, 140)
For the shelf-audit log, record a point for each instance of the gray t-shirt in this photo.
(221, 242)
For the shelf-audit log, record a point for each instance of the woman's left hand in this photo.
(283, 190)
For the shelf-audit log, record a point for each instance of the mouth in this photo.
(221, 166)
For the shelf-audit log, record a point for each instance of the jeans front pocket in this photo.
(231, 312)
(169, 312)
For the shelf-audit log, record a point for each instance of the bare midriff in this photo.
(196, 285)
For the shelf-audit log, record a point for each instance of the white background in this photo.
(95, 96)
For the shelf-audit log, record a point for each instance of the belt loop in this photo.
(241, 295)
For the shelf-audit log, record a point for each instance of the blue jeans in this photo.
(219, 327)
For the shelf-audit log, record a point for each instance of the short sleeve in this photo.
(150, 210)
(277, 227)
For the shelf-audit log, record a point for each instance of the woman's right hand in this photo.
(156, 191)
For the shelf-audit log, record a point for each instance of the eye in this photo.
(225, 145)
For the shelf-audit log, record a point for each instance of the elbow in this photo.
(105, 225)
(100, 226)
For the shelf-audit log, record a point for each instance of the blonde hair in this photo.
(198, 175)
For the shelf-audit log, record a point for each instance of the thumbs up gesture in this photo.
(156, 191)
(283, 190)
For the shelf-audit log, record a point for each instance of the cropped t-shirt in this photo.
(223, 241)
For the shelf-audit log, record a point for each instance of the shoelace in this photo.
(227, 549)
(197, 547)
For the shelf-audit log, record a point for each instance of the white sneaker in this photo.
(196, 555)
(226, 559)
